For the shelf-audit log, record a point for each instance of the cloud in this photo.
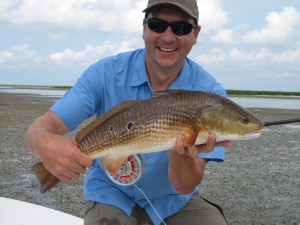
(211, 14)
(104, 16)
(261, 54)
(215, 55)
(20, 54)
(58, 36)
(90, 53)
(86, 56)
(218, 55)
(225, 36)
(6, 56)
(279, 28)
(288, 56)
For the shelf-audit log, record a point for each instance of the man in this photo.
(169, 183)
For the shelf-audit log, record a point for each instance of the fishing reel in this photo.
(130, 171)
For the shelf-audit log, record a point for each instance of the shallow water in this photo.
(247, 102)
(267, 102)
(43, 92)
(257, 184)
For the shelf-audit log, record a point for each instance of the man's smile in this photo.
(167, 49)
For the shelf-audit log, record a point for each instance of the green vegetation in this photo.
(61, 87)
(248, 92)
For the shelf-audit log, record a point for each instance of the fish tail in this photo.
(47, 180)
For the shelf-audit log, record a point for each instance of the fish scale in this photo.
(157, 124)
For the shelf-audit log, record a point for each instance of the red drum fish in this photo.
(152, 125)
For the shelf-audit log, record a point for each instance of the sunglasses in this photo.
(179, 28)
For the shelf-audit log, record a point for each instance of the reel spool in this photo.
(130, 171)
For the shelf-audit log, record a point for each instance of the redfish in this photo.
(152, 125)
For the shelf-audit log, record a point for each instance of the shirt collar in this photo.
(141, 76)
(183, 78)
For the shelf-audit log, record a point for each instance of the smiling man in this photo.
(167, 193)
(166, 50)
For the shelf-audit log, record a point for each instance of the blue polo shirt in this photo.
(107, 83)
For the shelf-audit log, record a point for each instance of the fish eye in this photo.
(129, 125)
(245, 120)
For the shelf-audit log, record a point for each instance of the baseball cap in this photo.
(188, 6)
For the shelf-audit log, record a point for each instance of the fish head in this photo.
(229, 121)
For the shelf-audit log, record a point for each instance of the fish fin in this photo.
(166, 92)
(193, 134)
(97, 122)
(112, 164)
(46, 179)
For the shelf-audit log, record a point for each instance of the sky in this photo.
(248, 45)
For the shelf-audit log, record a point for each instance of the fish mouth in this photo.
(249, 136)
(233, 137)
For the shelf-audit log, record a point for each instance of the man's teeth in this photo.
(167, 49)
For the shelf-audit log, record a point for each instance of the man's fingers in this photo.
(225, 144)
(83, 159)
(195, 150)
(65, 175)
(179, 148)
(211, 142)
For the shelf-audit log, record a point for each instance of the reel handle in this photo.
(129, 172)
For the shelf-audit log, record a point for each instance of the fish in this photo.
(153, 125)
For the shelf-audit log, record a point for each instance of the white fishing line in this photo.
(151, 205)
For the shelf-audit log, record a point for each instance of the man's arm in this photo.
(186, 169)
(59, 154)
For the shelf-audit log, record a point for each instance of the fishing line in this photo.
(281, 122)
(151, 205)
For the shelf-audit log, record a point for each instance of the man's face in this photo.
(167, 50)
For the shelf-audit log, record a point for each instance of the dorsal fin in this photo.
(97, 122)
(166, 92)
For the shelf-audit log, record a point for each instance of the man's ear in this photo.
(144, 28)
(196, 33)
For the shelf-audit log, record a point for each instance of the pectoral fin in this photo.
(112, 164)
(193, 134)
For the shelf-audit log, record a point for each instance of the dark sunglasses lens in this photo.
(181, 28)
(157, 25)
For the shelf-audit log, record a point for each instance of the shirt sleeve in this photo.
(79, 103)
(217, 155)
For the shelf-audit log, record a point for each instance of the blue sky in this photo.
(250, 45)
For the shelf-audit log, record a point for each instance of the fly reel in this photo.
(130, 171)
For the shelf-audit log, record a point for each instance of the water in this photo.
(268, 102)
(247, 102)
(43, 92)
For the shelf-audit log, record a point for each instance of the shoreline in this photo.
(231, 93)
(257, 184)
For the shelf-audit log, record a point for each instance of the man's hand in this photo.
(62, 158)
(196, 149)
(186, 169)
(58, 153)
